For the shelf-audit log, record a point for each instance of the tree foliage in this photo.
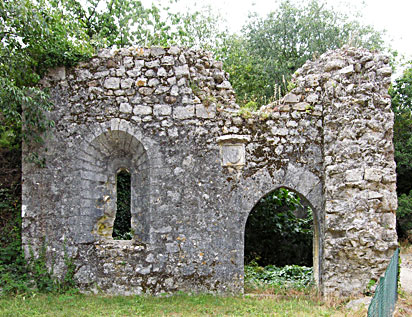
(404, 217)
(38, 35)
(123, 23)
(401, 93)
(276, 234)
(34, 37)
(273, 48)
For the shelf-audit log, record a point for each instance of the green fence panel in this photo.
(386, 293)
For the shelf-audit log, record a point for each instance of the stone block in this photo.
(291, 98)
(301, 106)
(373, 174)
(187, 100)
(181, 71)
(162, 110)
(312, 98)
(153, 82)
(174, 50)
(205, 112)
(150, 73)
(128, 62)
(313, 80)
(385, 71)
(280, 131)
(291, 124)
(146, 91)
(157, 51)
(334, 64)
(101, 74)
(354, 175)
(391, 178)
(182, 113)
(161, 72)
(284, 108)
(348, 70)
(224, 85)
(141, 110)
(125, 107)
(174, 91)
(374, 195)
(153, 64)
(168, 61)
(126, 83)
(161, 90)
(82, 74)
(112, 83)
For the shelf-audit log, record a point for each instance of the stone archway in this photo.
(108, 153)
(248, 191)
(316, 229)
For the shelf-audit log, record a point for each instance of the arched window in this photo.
(116, 186)
(122, 228)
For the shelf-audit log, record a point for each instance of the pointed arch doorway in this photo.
(283, 228)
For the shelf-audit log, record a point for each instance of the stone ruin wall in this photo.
(199, 165)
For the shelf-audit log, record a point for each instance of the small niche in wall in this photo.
(122, 229)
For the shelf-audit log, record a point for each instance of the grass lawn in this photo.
(177, 305)
(263, 300)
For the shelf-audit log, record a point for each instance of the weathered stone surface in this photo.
(385, 71)
(170, 99)
(126, 83)
(183, 112)
(224, 85)
(125, 107)
(199, 165)
(347, 70)
(373, 174)
(205, 112)
(146, 91)
(58, 73)
(142, 110)
(334, 64)
(112, 83)
(181, 71)
(356, 165)
(291, 98)
(301, 106)
(162, 110)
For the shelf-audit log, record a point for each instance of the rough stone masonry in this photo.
(199, 164)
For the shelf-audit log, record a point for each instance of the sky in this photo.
(394, 16)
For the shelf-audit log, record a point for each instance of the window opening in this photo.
(122, 228)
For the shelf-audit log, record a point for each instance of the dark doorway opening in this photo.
(279, 230)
